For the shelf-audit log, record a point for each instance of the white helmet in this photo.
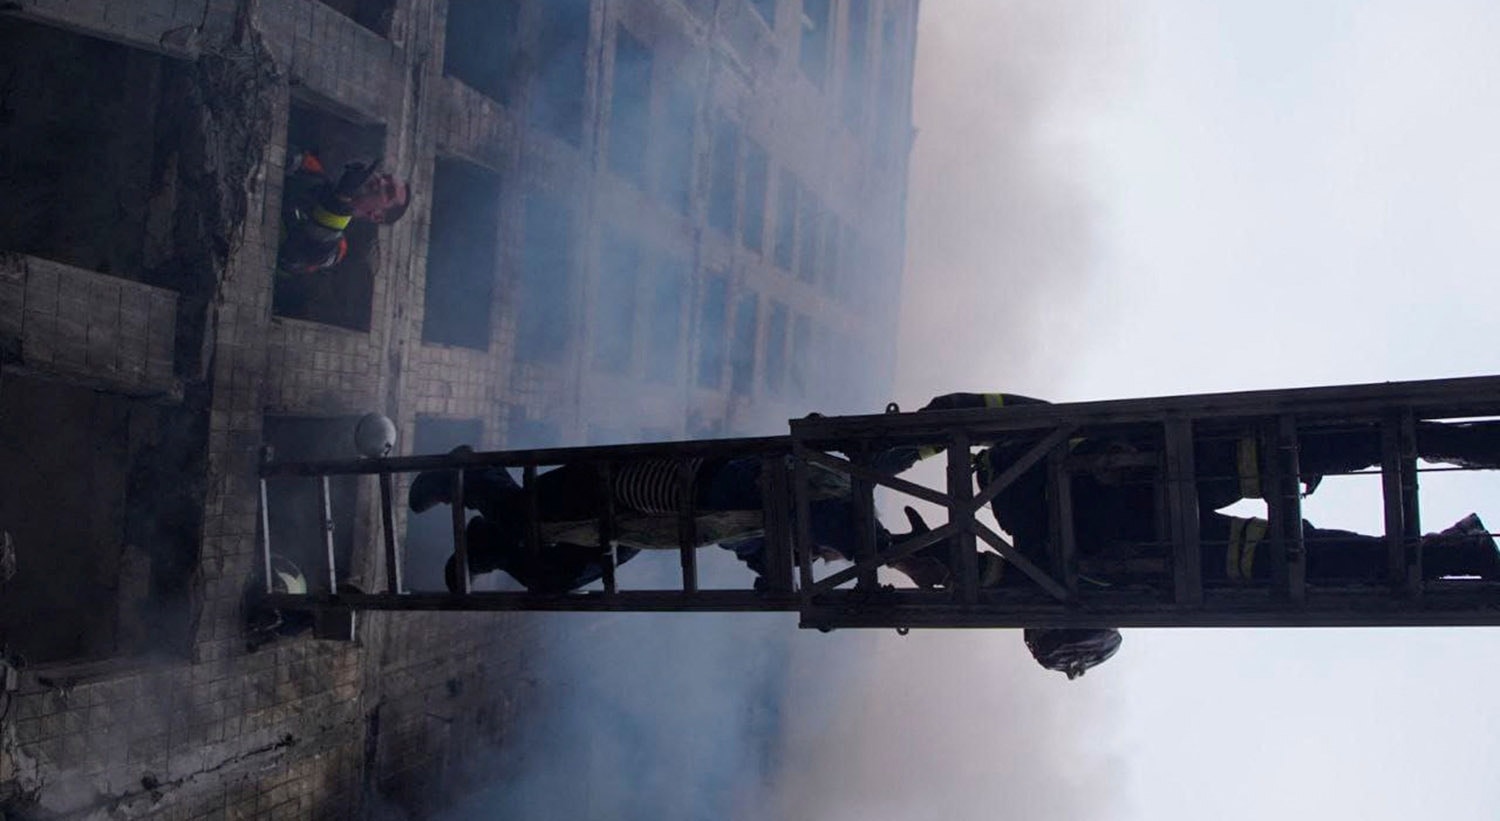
(375, 436)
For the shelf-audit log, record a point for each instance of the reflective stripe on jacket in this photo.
(1245, 535)
(1247, 464)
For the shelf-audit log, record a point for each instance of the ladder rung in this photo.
(460, 536)
(1064, 541)
(393, 569)
(327, 516)
(607, 527)
(963, 550)
(533, 511)
(1398, 478)
(866, 554)
(265, 537)
(687, 526)
(1283, 497)
(777, 497)
(802, 527)
(1182, 514)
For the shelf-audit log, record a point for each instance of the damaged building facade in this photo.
(631, 220)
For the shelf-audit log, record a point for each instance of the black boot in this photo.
(1472, 445)
(1465, 549)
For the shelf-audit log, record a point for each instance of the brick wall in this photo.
(72, 323)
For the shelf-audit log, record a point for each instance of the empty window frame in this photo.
(374, 15)
(615, 301)
(544, 303)
(858, 55)
(295, 505)
(664, 325)
(776, 339)
(712, 319)
(340, 295)
(558, 85)
(83, 119)
(742, 346)
(889, 108)
(461, 249)
(800, 354)
(482, 46)
(99, 499)
(813, 57)
(753, 228)
(828, 253)
(809, 219)
(786, 219)
(675, 185)
(630, 108)
(721, 193)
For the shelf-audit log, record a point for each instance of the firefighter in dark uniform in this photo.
(727, 488)
(315, 210)
(1113, 508)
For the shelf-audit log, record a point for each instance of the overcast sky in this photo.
(1113, 200)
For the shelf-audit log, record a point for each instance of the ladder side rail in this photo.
(1351, 606)
(748, 446)
(776, 494)
(1411, 514)
(1451, 398)
(866, 552)
(1282, 490)
(625, 601)
(1403, 527)
(1391, 497)
(802, 527)
(606, 525)
(265, 537)
(964, 549)
(687, 526)
(460, 534)
(1182, 511)
(393, 570)
(531, 498)
(1063, 544)
(325, 509)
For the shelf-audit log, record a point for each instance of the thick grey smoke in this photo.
(1002, 246)
(745, 717)
(1001, 231)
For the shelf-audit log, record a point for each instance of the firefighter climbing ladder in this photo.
(1395, 593)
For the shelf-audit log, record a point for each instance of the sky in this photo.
(1112, 200)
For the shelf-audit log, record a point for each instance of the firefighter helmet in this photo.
(1072, 651)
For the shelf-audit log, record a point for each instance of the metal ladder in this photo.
(1396, 593)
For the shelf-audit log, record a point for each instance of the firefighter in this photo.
(1234, 552)
(315, 211)
(1228, 466)
(645, 496)
(1112, 508)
